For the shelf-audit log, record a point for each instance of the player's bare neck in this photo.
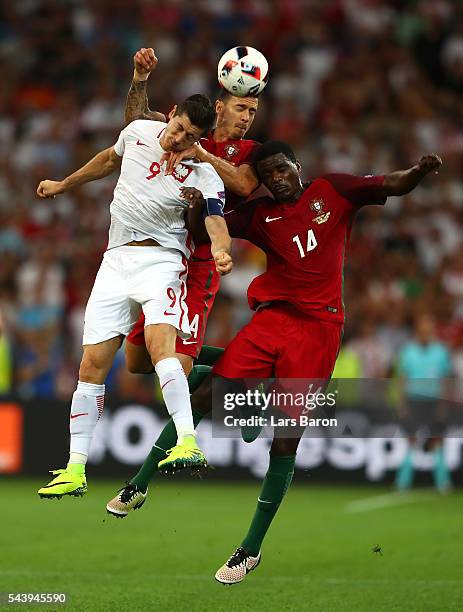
(221, 134)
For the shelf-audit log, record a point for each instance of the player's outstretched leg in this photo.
(136, 490)
(132, 496)
(184, 455)
(198, 374)
(86, 409)
(249, 433)
(69, 481)
(237, 567)
(276, 483)
(160, 342)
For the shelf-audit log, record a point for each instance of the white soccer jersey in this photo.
(146, 202)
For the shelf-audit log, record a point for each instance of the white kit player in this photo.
(144, 267)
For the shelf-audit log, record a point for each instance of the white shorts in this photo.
(134, 277)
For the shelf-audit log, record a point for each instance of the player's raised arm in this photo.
(403, 181)
(210, 210)
(364, 190)
(103, 164)
(136, 106)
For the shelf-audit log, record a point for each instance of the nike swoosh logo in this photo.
(166, 383)
(268, 219)
(264, 501)
(141, 143)
(74, 416)
(169, 314)
(189, 341)
(54, 485)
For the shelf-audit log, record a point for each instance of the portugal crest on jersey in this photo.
(230, 151)
(321, 216)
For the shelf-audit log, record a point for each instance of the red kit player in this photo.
(296, 331)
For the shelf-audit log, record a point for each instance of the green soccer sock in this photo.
(167, 439)
(276, 483)
(197, 375)
(209, 355)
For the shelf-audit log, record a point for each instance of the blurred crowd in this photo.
(357, 86)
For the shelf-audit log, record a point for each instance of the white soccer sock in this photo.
(174, 387)
(86, 410)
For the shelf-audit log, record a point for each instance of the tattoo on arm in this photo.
(137, 101)
(136, 106)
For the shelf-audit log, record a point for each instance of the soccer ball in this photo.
(243, 71)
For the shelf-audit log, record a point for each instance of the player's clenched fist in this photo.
(49, 189)
(144, 61)
(223, 262)
(430, 163)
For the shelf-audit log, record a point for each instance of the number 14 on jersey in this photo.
(311, 243)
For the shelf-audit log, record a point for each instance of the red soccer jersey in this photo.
(305, 242)
(236, 152)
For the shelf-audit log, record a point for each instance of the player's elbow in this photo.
(109, 168)
(393, 187)
(112, 162)
(243, 188)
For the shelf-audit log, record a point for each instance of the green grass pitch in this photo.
(317, 556)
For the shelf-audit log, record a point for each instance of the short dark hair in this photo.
(273, 147)
(225, 95)
(200, 111)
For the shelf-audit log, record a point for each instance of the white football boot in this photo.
(128, 498)
(237, 567)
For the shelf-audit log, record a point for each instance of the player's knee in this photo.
(92, 369)
(158, 354)
(160, 345)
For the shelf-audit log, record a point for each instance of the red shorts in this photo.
(282, 342)
(203, 282)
